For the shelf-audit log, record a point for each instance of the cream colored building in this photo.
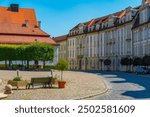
(62, 48)
(141, 31)
(122, 34)
(108, 37)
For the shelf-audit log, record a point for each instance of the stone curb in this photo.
(107, 88)
(2, 96)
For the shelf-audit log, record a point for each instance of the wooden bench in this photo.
(40, 81)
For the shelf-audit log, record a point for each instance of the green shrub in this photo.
(17, 79)
(2, 66)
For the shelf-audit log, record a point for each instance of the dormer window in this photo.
(92, 28)
(123, 19)
(143, 16)
(73, 32)
(128, 17)
(26, 23)
(35, 40)
(97, 27)
(102, 25)
(106, 24)
(119, 21)
(144, 2)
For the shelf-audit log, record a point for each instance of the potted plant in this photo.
(62, 66)
(54, 80)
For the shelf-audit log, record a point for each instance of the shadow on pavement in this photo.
(130, 78)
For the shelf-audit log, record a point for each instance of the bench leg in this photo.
(28, 86)
(32, 86)
(50, 85)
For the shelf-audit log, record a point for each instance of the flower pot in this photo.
(61, 84)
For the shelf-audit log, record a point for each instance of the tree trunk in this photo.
(5, 63)
(22, 63)
(9, 64)
(43, 64)
(27, 64)
(61, 75)
(36, 63)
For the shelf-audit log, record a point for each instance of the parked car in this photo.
(142, 70)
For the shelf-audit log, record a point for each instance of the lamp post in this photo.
(18, 73)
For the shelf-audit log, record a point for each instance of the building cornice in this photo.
(139, 25)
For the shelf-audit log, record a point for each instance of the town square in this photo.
(101, 57)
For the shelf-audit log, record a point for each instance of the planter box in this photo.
(18, 84)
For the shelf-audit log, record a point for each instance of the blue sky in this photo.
(59, 16)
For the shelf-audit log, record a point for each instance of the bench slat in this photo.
(40, 81)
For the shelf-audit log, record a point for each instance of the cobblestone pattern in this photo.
(79, 85)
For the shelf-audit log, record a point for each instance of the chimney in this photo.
(39, 24)
(14, 7)
(26, 23)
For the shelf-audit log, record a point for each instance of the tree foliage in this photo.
(126, 61)
(62, 65)
(137, 61)
(146, 60)
(34, 51)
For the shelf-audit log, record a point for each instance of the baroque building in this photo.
(122, 34)
(62, 48)
(20, 26)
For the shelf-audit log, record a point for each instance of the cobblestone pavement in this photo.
(79, 85)
(123, 86)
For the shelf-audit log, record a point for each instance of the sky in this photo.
(60, 16)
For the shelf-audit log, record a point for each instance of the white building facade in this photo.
(112, 37)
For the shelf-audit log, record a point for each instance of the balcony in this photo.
(110, 43)
(80, 56)
(128, 39)
(128, 52)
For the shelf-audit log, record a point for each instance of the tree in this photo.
(35, 51)
(124, 61)
(62, 66)
(146, 60)
(137, 61)
(127, 62)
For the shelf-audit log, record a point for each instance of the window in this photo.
(149, 32)
(143, 16)
(97, 27)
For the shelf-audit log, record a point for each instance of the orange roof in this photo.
(91, 22)
(7, 16)
(103, 19)
(148, 1)
(9, 39)
(9, 28)
(60, 38)
(14, 31)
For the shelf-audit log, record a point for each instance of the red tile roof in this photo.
(9, 39)
(103, 19)
(10, 28)
(7, 16)
(60, 38)
(14, 31)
